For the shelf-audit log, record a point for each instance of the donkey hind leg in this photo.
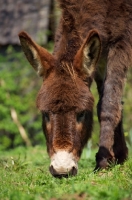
(112, 144)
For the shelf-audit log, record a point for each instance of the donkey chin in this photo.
(63, 164)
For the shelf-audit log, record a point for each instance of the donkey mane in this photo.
(76, 21)
(68, 35)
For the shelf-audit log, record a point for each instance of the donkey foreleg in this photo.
(112, 146)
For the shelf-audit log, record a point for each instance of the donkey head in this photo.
(65, 100)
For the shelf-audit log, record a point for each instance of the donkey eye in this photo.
(46, 116)
(81, 116)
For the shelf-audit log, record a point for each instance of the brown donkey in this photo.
(89, 31)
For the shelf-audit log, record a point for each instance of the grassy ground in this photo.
(24, 175)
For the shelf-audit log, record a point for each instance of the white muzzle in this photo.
(63, 163)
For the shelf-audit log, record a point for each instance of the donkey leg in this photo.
(120, 149)
(112, 142)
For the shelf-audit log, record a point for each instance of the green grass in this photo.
(24, 175)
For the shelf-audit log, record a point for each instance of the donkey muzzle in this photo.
(63, 164)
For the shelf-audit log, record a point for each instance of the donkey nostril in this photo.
(73, 171)
(51, 169)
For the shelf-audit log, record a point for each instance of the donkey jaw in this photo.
(63, 164)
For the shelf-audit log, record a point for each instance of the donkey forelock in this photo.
(62, 92)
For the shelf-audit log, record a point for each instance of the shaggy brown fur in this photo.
(65, 98)
(113, 21)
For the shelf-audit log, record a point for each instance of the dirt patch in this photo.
(81, 196)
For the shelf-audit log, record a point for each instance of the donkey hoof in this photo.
(103, 164)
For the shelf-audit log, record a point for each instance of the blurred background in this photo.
(20, 121)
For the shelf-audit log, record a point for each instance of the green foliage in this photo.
(128, 106)
(18, 89)
(24, 175)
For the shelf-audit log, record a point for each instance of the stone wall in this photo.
(32, 16)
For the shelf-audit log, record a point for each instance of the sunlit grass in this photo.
(24, 175)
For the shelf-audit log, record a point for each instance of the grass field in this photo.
(24, 175)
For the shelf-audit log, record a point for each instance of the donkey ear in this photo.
(39, 58)
(88, 55)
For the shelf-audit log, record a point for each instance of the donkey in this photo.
(89, 32)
